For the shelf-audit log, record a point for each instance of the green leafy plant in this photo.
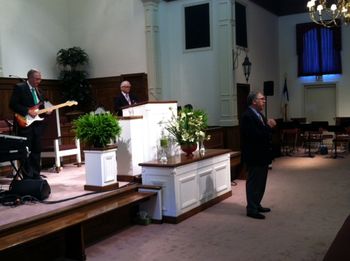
(188, 126)
(72, 57)
(97, 130)
(74, 77)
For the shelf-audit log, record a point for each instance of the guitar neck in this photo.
(52, 108)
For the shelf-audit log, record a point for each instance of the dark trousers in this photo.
(32, 166)
(255, 187)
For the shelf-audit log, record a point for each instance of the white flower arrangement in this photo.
(188, 126)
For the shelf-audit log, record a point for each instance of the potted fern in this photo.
(99, 133)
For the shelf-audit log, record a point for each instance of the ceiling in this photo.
(283, 7)
(280, 7)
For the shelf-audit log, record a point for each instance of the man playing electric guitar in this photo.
(25, 100)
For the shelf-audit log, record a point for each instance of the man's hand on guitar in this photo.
(33, 112)
(49, 111)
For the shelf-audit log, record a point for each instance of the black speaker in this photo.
(36, 188)
(268, 88)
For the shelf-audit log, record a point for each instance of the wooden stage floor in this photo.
(66, 184)
(65, 227)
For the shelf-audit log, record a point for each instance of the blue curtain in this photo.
(318, 50)
(311, 61)
(327, 49)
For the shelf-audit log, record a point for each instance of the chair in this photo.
(312, 137)
(341, 137)
(52, 145)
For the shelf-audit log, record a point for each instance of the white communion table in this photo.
(190, 184)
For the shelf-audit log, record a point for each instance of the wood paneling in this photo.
(104, 91)
(50, 89)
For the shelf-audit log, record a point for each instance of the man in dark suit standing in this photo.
(125, 98)
(26, 99)
(256, 152)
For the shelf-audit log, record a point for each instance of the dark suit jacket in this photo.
(120, 102)
(255, 140)
(22, 99)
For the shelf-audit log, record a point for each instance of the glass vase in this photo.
(201, 148)
(163, 150)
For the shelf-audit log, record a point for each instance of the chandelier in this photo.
(329, 14)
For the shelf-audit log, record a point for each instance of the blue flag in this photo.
(285, 92)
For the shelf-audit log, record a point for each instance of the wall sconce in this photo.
(236, 53)
(246, 67)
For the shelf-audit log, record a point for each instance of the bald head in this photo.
(125, 86)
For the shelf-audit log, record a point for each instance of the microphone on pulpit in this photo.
(16, 76)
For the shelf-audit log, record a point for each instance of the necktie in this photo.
(261, 118)
(128, 98)
(35, 97)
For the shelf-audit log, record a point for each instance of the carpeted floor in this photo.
(309, 198)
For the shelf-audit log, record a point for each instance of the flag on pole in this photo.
(285, 100)
(285, 92)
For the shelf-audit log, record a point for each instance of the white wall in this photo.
(288, 64)
(31, 33)
(112, 32)
(191, 77)
(187, 76)
(262, 29)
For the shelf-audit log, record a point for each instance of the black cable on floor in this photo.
(66, 199)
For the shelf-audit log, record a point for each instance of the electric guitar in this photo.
(25, 121)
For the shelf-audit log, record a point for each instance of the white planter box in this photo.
(100, 167)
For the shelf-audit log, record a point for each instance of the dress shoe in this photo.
(264, 210)
(256, 215)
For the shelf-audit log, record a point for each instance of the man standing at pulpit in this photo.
(125, 98)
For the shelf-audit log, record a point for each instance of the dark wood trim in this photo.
(23, 231)
(102, 188)
(183, 159)
(130, 178)
(130, 117)
(149, 102)
(182, 217)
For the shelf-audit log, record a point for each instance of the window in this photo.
(197, 26)
(241, 25)
(318, 49)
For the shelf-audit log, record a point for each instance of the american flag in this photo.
(285, 92)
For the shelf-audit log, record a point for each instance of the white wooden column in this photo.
(226, 42)
(152, 49)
